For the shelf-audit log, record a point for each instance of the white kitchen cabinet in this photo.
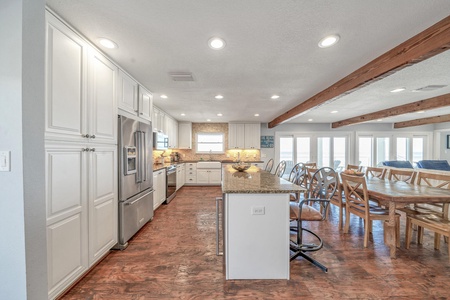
(145, 104)
(81, 203)
(191, 173)
(184, 135)
(159, 122)
(252, 135)
(80, 89)
(66, 65)
(81, 155)
(159, 186)
(244, 135)
(236, 136)
(172, 131)
(127, 90)
(209, 176)
(180, 176)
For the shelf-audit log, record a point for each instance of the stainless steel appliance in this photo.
(171, 191)
(160, 141)
(135, 145)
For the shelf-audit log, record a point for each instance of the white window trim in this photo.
(210, 152)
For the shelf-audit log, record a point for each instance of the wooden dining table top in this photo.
(385, 190)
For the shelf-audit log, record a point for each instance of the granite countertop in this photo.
(255, 181)
(157, 167)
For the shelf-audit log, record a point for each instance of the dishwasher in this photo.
(171, 180)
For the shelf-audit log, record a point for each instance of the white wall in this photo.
(23, 271)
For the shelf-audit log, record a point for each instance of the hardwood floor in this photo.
(173, 257)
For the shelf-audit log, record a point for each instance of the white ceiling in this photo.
(271, 48)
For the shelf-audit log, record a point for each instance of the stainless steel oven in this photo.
(171, 174)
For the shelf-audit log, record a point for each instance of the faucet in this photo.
(210, 154)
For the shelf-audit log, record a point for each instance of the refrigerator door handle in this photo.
(144, 155)
(139, 199)
(137, 138)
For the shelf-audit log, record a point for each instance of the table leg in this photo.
(390, 232)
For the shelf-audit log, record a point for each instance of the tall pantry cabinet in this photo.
(81, 155)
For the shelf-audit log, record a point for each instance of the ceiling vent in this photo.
(181, 76)
(429, 88)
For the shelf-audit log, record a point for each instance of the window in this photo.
(402, 148)
(303, 149)
(418, 148)
(210, 142)
(340, 153)
(382, 150)
(286, 149)
(365, 151)
(323, 152)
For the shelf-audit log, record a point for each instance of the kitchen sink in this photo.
(209, 165)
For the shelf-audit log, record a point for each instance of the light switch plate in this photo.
(5, 161)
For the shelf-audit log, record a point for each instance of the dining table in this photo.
(396, 194)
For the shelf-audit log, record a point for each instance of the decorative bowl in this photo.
(240, 167)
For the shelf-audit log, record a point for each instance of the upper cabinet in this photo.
(158, 120)
(145, 104)
(252, 136)
(171, 128)
(184, 135)
(244, 135)
(127, 90)
(134, 98)
(80, 91)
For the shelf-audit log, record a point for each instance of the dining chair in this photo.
(338, 200)
(269, 166)
(357, 203)
(311, 165)
(375, 172)
(404, 175)
(311, 209)
(281, 167)
(298, 177)
(418, 213)
(354, 167)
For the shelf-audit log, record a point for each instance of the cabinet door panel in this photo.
(65, 180)
(127, 93)
(202, 176)
(102, 231)
(66, 248)
(215, 176)
(101, 98)
(65, 85)
(103, 216)
(145, 104)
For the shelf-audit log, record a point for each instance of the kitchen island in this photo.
(255, 224)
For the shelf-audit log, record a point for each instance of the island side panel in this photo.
(256, 245)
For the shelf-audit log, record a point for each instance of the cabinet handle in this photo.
(93, 136)
(84, 149)
(85, 135)
(92, 150)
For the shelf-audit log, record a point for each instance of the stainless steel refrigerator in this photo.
(135, 177)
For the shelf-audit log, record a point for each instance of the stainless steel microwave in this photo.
(160, 141)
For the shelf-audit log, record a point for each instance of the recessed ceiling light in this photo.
(329, 41)
(216, 43)
(421, 112)
(182, 114)
(219, 115)
(398, 90)
(219, 97)
(208, 120)
(379, 120)
(256, 115)
(164, 96)
(334, 112)
(107, 43)
(275, 97)
(310, 120)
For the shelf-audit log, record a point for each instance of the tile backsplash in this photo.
(189, 154)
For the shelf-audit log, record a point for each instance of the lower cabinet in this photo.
(190, 174)
(209, 176)
(81, 184)
(180, 176)
(159, 186)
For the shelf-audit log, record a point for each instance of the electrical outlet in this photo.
(258, 210)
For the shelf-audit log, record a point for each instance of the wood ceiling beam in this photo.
(426, 44)
(424, 121)
(427, 104)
